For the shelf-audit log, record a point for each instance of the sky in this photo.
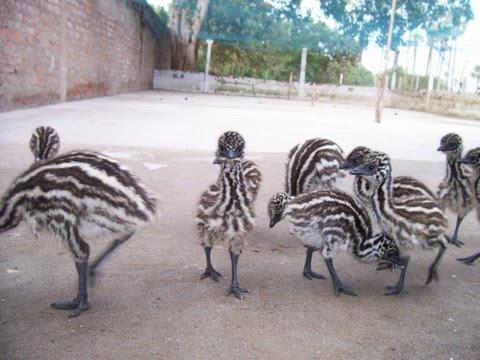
(468, 47)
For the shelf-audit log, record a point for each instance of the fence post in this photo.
(341, 79)
(314, 94)
(207, 66)
(429, 90)
(290, 86)
(303, 65)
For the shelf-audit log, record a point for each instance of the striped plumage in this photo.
(329, 219)
(312, 165)
(415, 221)
(253, 179)
(472, 158)
(44, 143)
(225, 212)
(404, 187)
(76, 196)
(456, 190)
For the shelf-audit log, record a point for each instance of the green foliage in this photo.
(161, 12)
(476, 71)
(186, 6)
(360, 76)
(369, 19)
(409, 80)
(228, 60)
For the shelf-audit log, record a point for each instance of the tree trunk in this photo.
(429, 60)
(441, 58)
(453, 64)
(393, 83)
(184, 35)
(408, 53)
(414, 60)
(449, 65)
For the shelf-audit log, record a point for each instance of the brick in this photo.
(102, 43)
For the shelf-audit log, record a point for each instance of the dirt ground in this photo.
(150, 302)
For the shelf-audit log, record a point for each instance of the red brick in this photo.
(103, 53)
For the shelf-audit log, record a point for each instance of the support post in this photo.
(381, 80)
(290, 86)
(341, 79)
(207, 66)
(429, 90)
(303, 65)
(313, 94)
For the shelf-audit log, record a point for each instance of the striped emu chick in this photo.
(456, 190)
(44, 143)
(311, 166)
(415, 221)
(473, 159)
(404, 187)
(328, 219)
(225, 212)
(76, 196)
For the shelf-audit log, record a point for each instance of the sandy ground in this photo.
(150, 302)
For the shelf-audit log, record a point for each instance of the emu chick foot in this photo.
(309, 274)
(76, 305)
(211, 273)
(237, 291)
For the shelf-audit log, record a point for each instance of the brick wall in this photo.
(60, 50)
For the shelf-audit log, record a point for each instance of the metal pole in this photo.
(381, 80)
(303, 65)
(207, 66)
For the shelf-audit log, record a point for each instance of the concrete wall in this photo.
(186, 81)
(60, 50)
(464, 105)
(441, 102)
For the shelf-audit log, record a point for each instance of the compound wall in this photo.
(60, 50)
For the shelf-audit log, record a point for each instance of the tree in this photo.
(417, 38)
(258, 25)
(162, 14)
(186, 20)
(368, 20)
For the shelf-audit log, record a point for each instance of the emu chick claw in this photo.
(393, 290)
(212, 274)
(237, 291)
(345, 289)
(457, 243)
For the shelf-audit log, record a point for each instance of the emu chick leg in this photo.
(307, 268)
(209, 271)
(107, 252)
(80, 303)
(398, 288)
(234, 288)
(455, 234)
(469, 260)
(432, 273)
(338, 287)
